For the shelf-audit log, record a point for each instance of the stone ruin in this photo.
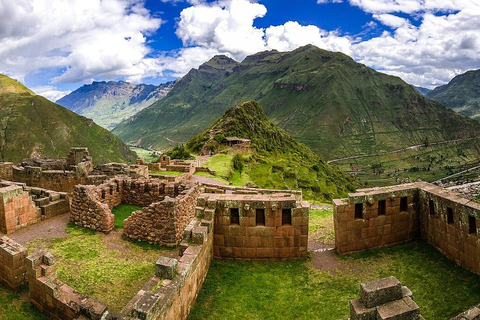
(21, 206)
(168, 208)
(384, 299)
(65, 173)
(377, 217)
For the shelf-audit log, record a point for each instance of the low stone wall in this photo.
(257, 226)
(174, 289)
(12, 263)
(205, 169)
(54, 298)
(163, 222)
(373, 218)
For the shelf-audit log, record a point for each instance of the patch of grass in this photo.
(122, 212)
(144, 154)
(206, 174)
(221, 164)
(294, 290)
(16, 306)
(106, 268)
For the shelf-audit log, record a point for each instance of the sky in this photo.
(56, 46)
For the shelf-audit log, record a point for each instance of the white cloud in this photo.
(86, 38)
(430, 54)
(226, 27)
(391, 20)
(50, 92)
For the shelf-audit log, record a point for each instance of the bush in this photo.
(179, 152)
(237, 163)
(219, 137)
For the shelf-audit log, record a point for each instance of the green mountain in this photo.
(32, 126)
(325, 100)
(422, 90)
(279, 161)
(462, 94)
(108, 103)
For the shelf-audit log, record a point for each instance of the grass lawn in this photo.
(122, 212)
(295, 290)
(15, 306)
(220, 163)
(206, 174)
(104, 267)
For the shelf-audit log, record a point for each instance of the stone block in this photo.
(49, 259)
(166, 267)
(199, 235)
(359, 312)
(404, 309)
(470, 314)
(380, 291)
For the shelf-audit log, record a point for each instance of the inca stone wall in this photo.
(54, 298)
(163, 222)
(168, 208)
(256, 226)
(12, 263)
(439, 216)
(88, 210)
(369, 227)
(17, 209)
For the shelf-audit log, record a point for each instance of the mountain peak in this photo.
(9, 85)
(220, 62)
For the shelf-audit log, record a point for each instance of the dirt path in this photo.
(202, 179)
(51, 228)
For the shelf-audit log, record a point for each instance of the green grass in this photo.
(122, 212)
(294, 290)
(16, 306)
(106, 268)
(208, 175)
(144, 154)
(221, 164)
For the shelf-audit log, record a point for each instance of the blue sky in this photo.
(55, 46)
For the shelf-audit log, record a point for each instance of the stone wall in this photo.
(163, 222)
(257, 226)
(58, 180)
(370, 227)
(54, 298)
(88, 210)
(17, 210)
(21, 206)
(457, 236)
(12, 263)
(439, 216)
(174, 289)
(6, 171)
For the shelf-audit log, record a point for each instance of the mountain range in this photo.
(32, 126)
(462, 94)
(108, 103)
(326, 100)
